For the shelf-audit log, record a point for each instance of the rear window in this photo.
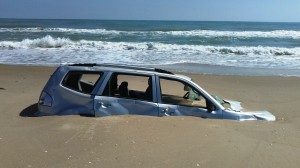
(83, 82)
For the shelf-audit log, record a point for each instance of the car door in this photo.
(126, 93)
(180, 98)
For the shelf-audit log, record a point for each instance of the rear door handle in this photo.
(167, 111)
(104, 105)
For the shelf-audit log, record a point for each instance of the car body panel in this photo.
(65, 100)
(178, 110)
(105, 106)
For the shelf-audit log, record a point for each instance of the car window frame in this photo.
(111, 73)
(101, 77)
(184, 82)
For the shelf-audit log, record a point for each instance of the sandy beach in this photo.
(143, 141)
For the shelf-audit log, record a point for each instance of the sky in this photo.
(196, 10)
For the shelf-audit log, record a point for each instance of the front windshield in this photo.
(222, 102)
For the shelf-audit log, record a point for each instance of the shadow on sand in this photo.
(29, 111)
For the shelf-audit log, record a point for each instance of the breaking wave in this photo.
(45, 42)
(156, 47)
(198, 33)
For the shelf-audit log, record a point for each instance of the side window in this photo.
(180, 93)
(129, 86)
(83, 82)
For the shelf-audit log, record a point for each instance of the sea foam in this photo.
(216, 44)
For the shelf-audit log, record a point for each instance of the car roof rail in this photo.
(125, 66)
(83, 64)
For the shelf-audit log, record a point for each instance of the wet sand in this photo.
(143, 141)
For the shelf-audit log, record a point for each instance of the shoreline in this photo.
(143, 141)
(204, 69)
(230, 70)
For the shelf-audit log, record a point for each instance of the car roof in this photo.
(125, 68)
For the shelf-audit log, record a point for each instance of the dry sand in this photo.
(141, 141)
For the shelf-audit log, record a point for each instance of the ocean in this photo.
(221, 48)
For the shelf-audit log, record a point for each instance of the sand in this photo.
(143, 141)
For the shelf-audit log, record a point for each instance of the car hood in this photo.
(251, 115)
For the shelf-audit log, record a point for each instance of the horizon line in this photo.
(166, 20)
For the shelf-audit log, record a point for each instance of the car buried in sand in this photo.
(109, 89)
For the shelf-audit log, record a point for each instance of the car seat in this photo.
(123, 89)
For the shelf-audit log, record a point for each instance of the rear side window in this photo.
(129, 86)
(83, 82)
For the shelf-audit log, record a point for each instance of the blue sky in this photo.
(203, 10)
